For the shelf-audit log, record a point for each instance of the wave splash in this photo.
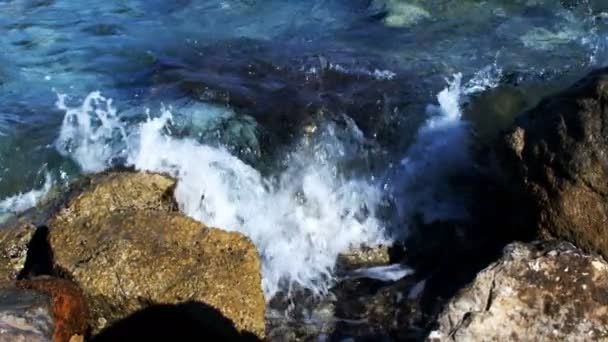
(24, 201)
(421, 184)
(299, 219)
(304, 215)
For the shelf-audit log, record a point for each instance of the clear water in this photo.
(310, 126)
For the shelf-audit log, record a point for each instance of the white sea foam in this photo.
(89, 133)
(23, 201)
(299, 219)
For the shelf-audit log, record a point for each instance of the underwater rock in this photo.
(125, 244)
(557, 154)
(403, 14)
(548, 291)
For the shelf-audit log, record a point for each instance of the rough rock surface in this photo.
(14, 243)
(541, 291)
(364, 256)
(124, 243)
(558, 153)
(68, 306)
(25, 315)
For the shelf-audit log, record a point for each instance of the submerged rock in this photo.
(121, 239)
(402, 14)
(549, 291)
(558, 153)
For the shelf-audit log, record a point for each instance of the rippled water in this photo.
(311, 126)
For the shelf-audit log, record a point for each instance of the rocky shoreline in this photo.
(114, 259)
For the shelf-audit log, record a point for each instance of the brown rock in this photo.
(69, 308)
(558, 154)
(364, 256)
(111, 192)
(122, 242)
(542, 291)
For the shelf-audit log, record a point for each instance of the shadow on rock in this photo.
(190, 321)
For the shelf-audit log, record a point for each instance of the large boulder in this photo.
(122, 240)
(542, 291)
(557, 154)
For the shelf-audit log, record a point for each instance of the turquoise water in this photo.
(307, 101)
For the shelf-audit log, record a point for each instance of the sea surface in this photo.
(311, 126)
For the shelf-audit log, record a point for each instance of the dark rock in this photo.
(191, 321)
(557, 158)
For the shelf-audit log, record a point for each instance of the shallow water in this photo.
(310, 126)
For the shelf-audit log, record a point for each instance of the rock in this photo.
(14, 243)
(25, 315)
(189, 321)
(401, 13)
(364, 256)
(69, 307)
(558, 155)
(115, 191)
(121, 239)
(47, 309)
(550, 291)
(380, 311)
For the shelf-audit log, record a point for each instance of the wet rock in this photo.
(558, 154)
(121, 239)
(379, 310)
(551, 291)
(364, 256)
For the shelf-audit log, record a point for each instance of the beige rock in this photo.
(540, 292)
(122, 241)
(365, 256)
